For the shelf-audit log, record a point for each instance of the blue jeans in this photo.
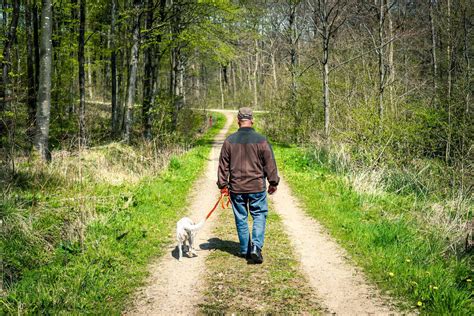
(257, 204)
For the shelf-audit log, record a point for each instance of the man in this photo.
(245, 162)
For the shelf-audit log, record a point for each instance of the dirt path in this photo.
(175, 287)
(340, 286)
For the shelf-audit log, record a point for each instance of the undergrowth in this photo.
(81, 245)
(406, 256)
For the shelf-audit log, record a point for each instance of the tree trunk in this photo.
(326, 103)
(234, 82)
(391, 64)
(89, 76)
(380, 52)
(255, 76)
(292, 42)
(467, 96)
(249, 72)
(149, 74)
(221, 84)
(36, 44)
(293, 61)
(30, 60)
(44, 84)
(80, 59)
(132, 78)
(275, 79)
(450, 67)
(434, 61)
(196, 82)
(181, 87)
(6, 63)
(113, 66)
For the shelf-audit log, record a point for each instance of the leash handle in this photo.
(217, 203)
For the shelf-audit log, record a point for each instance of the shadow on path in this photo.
(228, 246)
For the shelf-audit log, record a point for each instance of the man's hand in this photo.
(225, 191)
(272, 189)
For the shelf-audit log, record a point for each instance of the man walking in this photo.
(245, 162)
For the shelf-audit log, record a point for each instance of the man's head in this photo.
(245, 117)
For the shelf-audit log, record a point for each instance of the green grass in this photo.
(96, 273)
(381, 233)
(275, 287)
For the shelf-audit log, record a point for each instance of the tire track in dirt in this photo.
(341, 286)
(175, 287)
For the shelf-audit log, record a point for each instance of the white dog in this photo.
(186, 231)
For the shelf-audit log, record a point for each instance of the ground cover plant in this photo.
(66, 255)
(383, 235)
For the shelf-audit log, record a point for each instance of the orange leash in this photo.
(223, 205)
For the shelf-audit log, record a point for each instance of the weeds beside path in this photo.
(96, 275)
(382, 236)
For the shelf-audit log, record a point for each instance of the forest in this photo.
(95, 92)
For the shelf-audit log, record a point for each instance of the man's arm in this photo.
(223, 170)
(269, 165)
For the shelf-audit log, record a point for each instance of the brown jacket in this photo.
(245, 162)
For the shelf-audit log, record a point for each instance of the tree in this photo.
(44, 84)
(80, 59)
(434, 61)
(149, 73)
(132, 79)
(113, 66)
(6, 62)
(31, 71)
(327, 20)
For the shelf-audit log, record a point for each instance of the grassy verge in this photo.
(383, 236)
(95, 272)
(274, 287)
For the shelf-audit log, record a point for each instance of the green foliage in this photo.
(383, 236)
(65, 255)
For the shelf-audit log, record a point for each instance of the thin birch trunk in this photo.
(391, 64)
(80, 58)
(326, 102)
(381, 61)
(113, 65)
(434, 60)
(255, 76)
(274, 72)
(132, 78)
(449, 52)
(249, 72)
(44, 84)
(89, 76)
(221, 84)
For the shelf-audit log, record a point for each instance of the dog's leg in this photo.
(191, 245)
(180, 249)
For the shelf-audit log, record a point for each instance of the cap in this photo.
(245, 114)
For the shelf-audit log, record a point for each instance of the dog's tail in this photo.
(195, 227)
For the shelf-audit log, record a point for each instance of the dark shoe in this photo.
(245, 255)
(256, 254)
